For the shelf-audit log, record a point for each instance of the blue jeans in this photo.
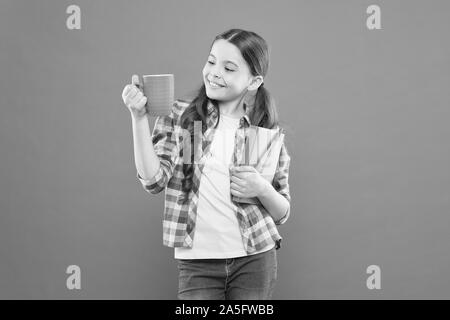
(250, 277)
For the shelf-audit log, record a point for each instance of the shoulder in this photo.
(179, 106)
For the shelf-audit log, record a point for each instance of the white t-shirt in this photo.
(217, 233)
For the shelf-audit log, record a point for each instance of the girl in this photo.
(225, 249)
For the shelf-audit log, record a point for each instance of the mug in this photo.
(159, 90)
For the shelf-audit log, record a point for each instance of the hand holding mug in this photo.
(134, 98)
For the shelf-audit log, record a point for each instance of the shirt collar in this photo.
(245, 118)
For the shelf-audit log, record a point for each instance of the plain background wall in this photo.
(366, 114)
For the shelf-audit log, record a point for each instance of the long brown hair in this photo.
(255, 52)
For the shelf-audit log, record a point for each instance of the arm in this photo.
(155, 155)
(276, 197)
(145, 158)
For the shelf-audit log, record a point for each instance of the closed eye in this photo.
(225, 68)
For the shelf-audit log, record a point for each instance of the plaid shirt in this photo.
(257, 226)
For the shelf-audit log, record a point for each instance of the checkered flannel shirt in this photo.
(257, 227)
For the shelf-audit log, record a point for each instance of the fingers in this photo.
(141, 102)
(129, 92)
(239, 174)
(243, 168)
(139, 105)
(133, 96)
(126, 90)
(235, 192)
(135, 80)
(236, 180)
(136, 98)
(133, 92)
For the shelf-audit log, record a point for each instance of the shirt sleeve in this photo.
(165, 143)
(281, 181)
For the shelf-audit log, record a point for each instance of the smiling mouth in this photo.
(214, 85)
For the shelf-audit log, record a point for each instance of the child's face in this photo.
(226, 67)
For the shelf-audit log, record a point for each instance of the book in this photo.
(261, 149)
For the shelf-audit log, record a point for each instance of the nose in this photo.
(216, 78)
(215, 73)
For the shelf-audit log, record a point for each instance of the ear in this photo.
(256, 82)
